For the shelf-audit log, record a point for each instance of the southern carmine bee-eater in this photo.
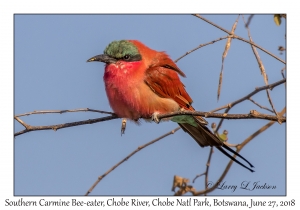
(142, 83)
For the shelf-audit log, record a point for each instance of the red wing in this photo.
(162, 78)
(164, 81)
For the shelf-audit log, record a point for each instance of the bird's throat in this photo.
(122, 70)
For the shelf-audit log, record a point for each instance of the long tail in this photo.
(204, 137)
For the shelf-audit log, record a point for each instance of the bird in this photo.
(142, 83)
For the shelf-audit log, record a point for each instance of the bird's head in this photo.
(118, 50)
(135, 55)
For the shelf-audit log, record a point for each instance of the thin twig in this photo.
(207, 167)
(282, 72)
(227, 47)
(284, 68)
(262, 69)
(30, 128)
(230, 105)
(240, 147)
(201, 45)
(257, 89)
(197, 176)
(249, 20)
(262, 107)
(231, 145)
(240, 38)
(64, 111)
(128, 156)
(22, 122)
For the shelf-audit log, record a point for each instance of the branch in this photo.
(230, 105)
(257, 89)
(227, 47)
(128, 156)
(64, 111)
(239, 148)
(207, 169)
(260, 106)
(262, 70)
(282, 72)
(29, 128)
(240, 38)
(252, 115)
(249, 20)
(201, 45)
(257, 115)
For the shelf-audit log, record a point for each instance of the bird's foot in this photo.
(123, 126)
(155, 118)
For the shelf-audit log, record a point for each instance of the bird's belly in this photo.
(137, 101)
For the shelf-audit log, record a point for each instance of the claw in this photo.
(155, 118)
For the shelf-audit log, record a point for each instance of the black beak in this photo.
(102, 58)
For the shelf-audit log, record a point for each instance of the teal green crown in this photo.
(122, 48)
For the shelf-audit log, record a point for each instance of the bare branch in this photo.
(230, 105)
(128, 156)
(240, 147)
(21, 122)
(284, 68)
(252, 115)
(249, 20)
(258, 89)
(240, 38)
(262, 70)
(205, 114)
(227, 47)
(207, 167)
(247, 140)
(197, 176)
(64, 125)
(64, 111)
(201, 45)
(262, 107)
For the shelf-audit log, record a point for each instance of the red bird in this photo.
(142, 83)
